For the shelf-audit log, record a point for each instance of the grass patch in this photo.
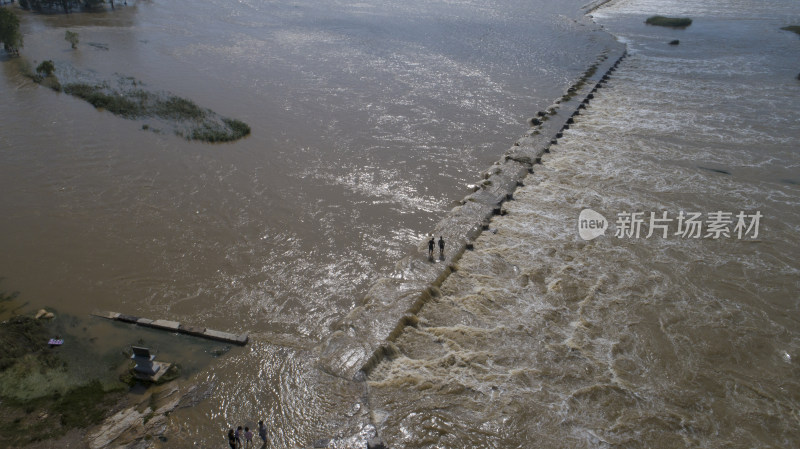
(237, 127)
(673, 22)
(84, 405)
(179, 109)
(95, 95)
(39, 401)
(231, 130)
(792, 28)
(50, 417)
(209, 134)
(20, 336)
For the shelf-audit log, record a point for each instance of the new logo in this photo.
(591, 224)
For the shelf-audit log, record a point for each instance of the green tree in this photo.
(10, 35)
(72, 38)
(90, 4)
(41, 5)
(46, 68)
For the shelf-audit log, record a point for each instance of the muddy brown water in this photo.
(369, 120)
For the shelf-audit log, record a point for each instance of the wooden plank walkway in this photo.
(174, 326)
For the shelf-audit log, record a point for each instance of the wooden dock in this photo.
(174, 326)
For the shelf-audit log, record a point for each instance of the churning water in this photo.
(542, 339)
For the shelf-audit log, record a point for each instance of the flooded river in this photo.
(369, 120)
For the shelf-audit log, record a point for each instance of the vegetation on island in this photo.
(793, 28)
(128, 99)
(72, 38)
(10, 35)
(136, 103)
(672, 22)
(46, 68)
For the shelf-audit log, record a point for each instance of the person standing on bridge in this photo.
(238, 436)
(262, 432)
(231, 439)
(248, 437)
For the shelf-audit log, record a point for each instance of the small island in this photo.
(127, 97)
(672, 22)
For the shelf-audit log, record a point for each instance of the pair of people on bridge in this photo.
(432, 244)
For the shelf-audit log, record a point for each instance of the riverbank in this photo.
(67, 381)
(45, 392)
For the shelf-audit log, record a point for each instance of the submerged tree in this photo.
(72, 38)
(67, 5)
(41, 5)
(10, 35)
(46, 68)
(90, 4)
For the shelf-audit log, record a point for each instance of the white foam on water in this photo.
(625, 342)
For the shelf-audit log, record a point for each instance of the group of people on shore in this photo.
(243, 438)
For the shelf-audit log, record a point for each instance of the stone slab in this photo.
(174, 326)
(166, 325)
